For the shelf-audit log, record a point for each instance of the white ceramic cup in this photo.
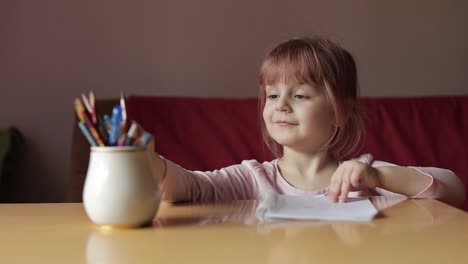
(120, 189)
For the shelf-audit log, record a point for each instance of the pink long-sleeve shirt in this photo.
(252, 180)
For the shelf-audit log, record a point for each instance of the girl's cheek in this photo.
(265, 118)
(266, 112)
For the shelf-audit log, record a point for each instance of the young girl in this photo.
(311, 121)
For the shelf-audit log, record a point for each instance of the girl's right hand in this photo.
(159, 164)
(352, 175)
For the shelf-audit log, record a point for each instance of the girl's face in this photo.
(298, 116)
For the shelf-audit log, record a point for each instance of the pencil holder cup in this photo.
(120, 189)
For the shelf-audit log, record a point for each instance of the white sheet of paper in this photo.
(277, 206)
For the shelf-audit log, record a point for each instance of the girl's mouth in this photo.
(284, 123)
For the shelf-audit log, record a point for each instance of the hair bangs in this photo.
(288, 66)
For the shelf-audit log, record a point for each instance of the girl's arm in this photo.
(159, 164)
(159, 167)
(402, 180)
(386, 178)
(235, 182)
(421, 182)
(178, 184)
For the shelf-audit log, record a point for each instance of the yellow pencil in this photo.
(79, 109)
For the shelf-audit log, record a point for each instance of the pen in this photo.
(123, 106)
(85, 132)
(107, 123)
(103, 130)
(116, 122)
(143, 140)
(123, 128)
(132, 133)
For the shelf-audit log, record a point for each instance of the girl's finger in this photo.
(345, 186)
(335, 186)
(356, 179)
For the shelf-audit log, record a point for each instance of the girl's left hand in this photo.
(352, 175)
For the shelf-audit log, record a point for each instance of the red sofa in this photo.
(209, 133)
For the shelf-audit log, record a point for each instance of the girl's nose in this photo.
(282, 105)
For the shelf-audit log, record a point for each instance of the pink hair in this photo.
(322, 63)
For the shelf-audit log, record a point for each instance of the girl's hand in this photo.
(159, 164)
(352, 175)
(150, 146)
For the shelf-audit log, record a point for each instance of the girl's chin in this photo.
(290, 144)
(297, 145)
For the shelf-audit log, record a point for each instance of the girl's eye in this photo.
(300, 96)
(272, 96)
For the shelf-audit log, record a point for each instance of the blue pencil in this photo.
(86, 133)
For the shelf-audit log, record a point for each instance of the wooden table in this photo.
(413, 231)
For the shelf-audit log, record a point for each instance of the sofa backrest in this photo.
(210, 133)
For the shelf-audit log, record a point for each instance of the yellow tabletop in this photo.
(413, 231)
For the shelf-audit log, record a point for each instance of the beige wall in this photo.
(52, 50)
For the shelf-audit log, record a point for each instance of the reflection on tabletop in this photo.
(244, 212)
(418, 214)
(275, 242)
(222, 230)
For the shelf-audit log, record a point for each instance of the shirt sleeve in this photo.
(444, 185)
(231, 183)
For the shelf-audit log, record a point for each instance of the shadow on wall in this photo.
(19, 183)
(11, 159)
